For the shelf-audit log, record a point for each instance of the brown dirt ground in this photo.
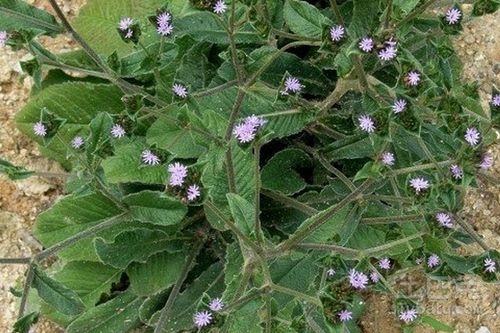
(468, 304)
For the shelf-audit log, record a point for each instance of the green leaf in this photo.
(119, 315)
(280, 173)
(369, 170)
(126, 166)
(155, 207)
(239, 319)
(98, 20)
(304, 19)
(14, 172)
(24, 324)
(364, 18)
(134, 246)
(72, 215)
(16, 15)
(243, 213)
(159, 272)
(232, 270)
(56, 294)
(459, 264)
(329, 229)
(366, 237)
(100, 128)
(482, 7)
(436, 324)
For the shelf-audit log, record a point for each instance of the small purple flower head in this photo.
(165, 29)
(374, 276)
(177, 172)
(39, 129)
(330, 272)
(125, 23)
(180, 90)
(419, 261)
(163, 18)
(216, 304)
(129, 34)
(419, 184)
(77, 142)
(357, 279)
(388, 53)
(345, 315)
(433, 261)
(202, 319)
(246, 130)
(384, 263)
(149, 158)
(337, 32)
(193, 193)
(412, 78)
(366, 44)
(366, 123)
(444, 220)
(408, 315)
(456, 171)
(453, 15)
(388, 158)
(486, 162)
(490, 265)
(220, 7)
(117, 131)
(4, 37)
(399, 105)
(472, 136)
(495, 100)
(292, 84)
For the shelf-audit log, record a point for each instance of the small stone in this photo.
(483, 329)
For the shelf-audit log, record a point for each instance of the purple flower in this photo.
(179, 90)
(77, 142)
(366, 123)
(220, 7)
(202, 319)
(292, 84)
(125, 23)
(165, 29)
(472, 136)
(453, 15)
(246, 130)
(486, 162)
(163, 18)
(456, 171)
(330, 272)
(419, 184)
(4, 37)
(149, 158)
(357, 279)
(193, 193)
(399, 105)
(117, 131)
(129, 33)
(375, 277)
(495, 100)
(388, 158)
(177, 172)
(408, 315)
(433, 261)
(337, 32)
(39, 129)
(490, 265)
(388, 53)
(216, 304)
(345, 315)
(384, 263)
(444, 220)
(366, 44)
(412, 78)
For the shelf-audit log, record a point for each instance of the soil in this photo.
(469, 305)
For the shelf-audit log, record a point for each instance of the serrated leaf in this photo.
(159, 272)
(100, 128)
(119, 315)
(155, 207)
(304, 19)
(14, 172)
(134, 246)
(23, 325)
(364, 18)
(232, 270)
(56, 294)
(239, 318)
(436, 324)
(16, 15)
(243, 213)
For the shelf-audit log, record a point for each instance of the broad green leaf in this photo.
(24, 324)
(315, 318)
(159, 272)
(72, 215)
(304, 19)
(329, 229)
(364, 18)
(119, 315)
(88, 279)
(100, 128)
(482, 7)
(436, 324)
(126, 166)
(232, 270)
(366, 237)
(281, 171)
(405, 5)
(155, 207)
(16, 15)
(462, 265)
(239, 319)
(243, 213)
(56, 294)
(98, 21)
(195, 68)
(134, 246)
(14, 172)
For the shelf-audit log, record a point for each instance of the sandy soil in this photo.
(469, 305)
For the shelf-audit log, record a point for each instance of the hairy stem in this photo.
(341, 88)
(290, 202)
(7, 261)
(421, 167)
(416, 12)
(26, 289)
(330, 248)
(391, 219)
(470, 230)
(336, 12)
(297, 294)
(257, 224)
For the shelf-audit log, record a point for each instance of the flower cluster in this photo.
(125, 26)
(444, 220)
(39, 129)
(433, 261)
(345, 315)
(117, 131)
(204, 318)
(408, 315)
(178, 173)
(472, 136)
(150, 158)
(385, 264)
(399, 106)
(389, 51)
(366, 44)
(337, 32)
(388, 158)
(77, 142)
(490, 265)
(486, 162)
(419, 184)
(293, 85)
(246, 130)
(412, 78)
(4, 37)
(495, 100)
(180, 90)
(456, 171)
(453, 16)
(358, 280)
(164, 25)
(220, 7)
(366, 123)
